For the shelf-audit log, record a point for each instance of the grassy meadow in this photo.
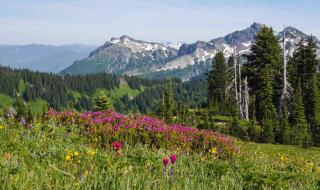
(52, 154)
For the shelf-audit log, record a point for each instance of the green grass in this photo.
(37, 106)
(75, 94)
(36, 159)
(22, 87)
(122, 90)
(5, 101)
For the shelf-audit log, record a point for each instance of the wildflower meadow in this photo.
(107, 150)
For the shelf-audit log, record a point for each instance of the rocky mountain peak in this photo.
(256, 26)
(292, 33)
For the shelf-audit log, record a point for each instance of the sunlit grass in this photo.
(51, 157)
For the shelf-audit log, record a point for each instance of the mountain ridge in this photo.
(125, 55)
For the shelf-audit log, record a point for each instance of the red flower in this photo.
(173, 158)
(117, 145)
(165, 162)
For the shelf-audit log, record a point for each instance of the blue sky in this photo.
(96, 21)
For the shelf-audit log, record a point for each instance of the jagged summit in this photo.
(257, 26)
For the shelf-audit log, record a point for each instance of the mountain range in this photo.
(44, 58)
(126, 55)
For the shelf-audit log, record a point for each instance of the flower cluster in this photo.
(110, 126)
(173, 159)
(73, 157)
(117, 145)
(213, 151)
(91, 152)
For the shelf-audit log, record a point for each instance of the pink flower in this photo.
(165, 162)
(173, 159)
(117, 145)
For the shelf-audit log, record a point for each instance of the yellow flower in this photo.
(78, 161)
(2, 127)
(213, 150)
(282, 157)
(318, 170)
(68, 157)
(91, 152)
(76, 153)
(309, 165)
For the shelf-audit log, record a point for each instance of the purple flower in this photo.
(22, 121)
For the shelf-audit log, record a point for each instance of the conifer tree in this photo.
(231, 61)
(102, 103)
(303, 69)
(315, 112)
(30, 115)
(21, 107)
(218, 82)
(300, 133)
(168, 102)
(253, 132)
(265, 52)
(162, 109)
(263, 71)
(311, 95)
(284, 133)
(269, 119)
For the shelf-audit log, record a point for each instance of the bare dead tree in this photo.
(246, 99)
(240, 89)
(286, 88)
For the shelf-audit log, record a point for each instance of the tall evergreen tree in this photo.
(218, 82)
(269, 119)
(300, 132)
(263, 71)
(168, 102)
(303, 67)
(265, 51)
(315, 111)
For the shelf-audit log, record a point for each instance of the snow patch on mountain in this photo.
(173, 45)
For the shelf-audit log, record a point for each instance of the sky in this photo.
(59, 22)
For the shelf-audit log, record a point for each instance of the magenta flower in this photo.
(165, 162)
(173, 159)
(112, 124)
(117, 145)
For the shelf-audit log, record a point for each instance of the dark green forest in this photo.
(60, 92)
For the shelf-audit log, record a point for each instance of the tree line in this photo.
(57, 90)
